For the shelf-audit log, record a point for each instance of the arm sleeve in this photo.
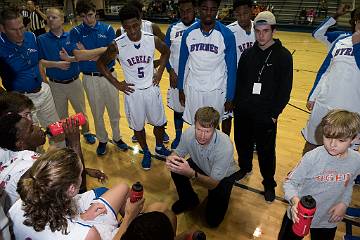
(41, 51)
(230, 60)
(111, 34)
(239, 73)
(282, 96)
(356, 49)
(295, 179)
(321, 32)
(222, 163)
(74, 38)
(346, 198)
(319, 78)
(168, 43)
(181, 149)
(184, 55)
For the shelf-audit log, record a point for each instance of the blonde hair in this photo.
(207, 117)
(340, 123)
(57, 11)
(44, 190)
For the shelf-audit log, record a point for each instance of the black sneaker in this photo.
(121, 145)
(269, 195)
(101, 149)
(180, 206)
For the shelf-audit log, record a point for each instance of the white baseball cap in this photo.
(265, 18)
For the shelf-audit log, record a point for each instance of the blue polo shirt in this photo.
(49, 48)
(101, 35)
(19, 65)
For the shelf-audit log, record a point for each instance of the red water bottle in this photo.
(137, 192)
(56, 128)
(306, 210)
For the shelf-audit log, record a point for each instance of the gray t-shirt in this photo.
(216, 159)
(328, 179)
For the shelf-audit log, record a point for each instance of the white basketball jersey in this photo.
(76, 230)
(146, 26)
(173, 38)
(243, 39)
(136, 59)
(339, 86)
(206, 60)
(12, 166)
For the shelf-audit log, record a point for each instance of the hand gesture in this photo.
(173, 78)
(356, 37)
(80, 46)
(93, 211)
(96, 173)
(63, 65)
(228, 106)
(337, 212)
(125, 87)
(133, 209)
(179, 165)
(294, 212)
(72, 133)
(64, 55)
(182, 98)
(156, 78)
(310, 105)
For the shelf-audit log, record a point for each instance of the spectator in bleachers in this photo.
(323, 9)
(310, 15)
(302, 16)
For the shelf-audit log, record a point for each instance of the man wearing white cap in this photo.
(264, 82)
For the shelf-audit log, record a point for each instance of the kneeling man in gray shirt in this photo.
(211, 165)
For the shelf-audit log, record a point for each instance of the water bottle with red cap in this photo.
(306, 210)
(56, 128)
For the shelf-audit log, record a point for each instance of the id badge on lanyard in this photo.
(257, 85)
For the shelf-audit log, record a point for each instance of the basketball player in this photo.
(149, 27)
(208, 54)
(322, 34)
(244, 36)
(135, 51)
(146, 25)
(337, 82)
(173, 41)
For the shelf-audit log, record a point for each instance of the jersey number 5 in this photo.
(141, 72)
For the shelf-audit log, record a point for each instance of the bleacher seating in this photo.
(287, 12)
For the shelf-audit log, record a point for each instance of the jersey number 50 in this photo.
(141, 72)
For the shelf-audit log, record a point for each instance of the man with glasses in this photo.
(208, 56)
(63, 76)
(91, 38)
(264, 82)
(19, 67)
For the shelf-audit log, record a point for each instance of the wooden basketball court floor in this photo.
(247, 208)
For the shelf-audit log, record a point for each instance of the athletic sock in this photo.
(178, 122)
